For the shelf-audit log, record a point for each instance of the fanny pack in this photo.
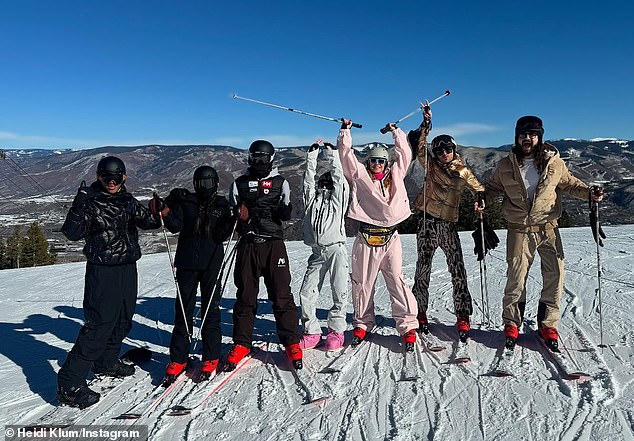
(376, 236)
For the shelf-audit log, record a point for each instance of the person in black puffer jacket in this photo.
(203, 220)
(106, 216)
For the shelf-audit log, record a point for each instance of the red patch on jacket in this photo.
(267, 184)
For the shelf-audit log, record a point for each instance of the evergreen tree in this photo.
(14, 246)
(35, 248)
(3, 254)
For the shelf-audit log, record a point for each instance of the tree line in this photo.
(26, 248)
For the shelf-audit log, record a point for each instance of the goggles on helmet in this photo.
(111, 177)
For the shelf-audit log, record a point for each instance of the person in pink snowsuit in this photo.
(379, 202)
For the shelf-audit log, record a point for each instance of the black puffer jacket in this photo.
(202, 227)
(108, 223)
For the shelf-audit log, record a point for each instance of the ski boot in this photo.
(409, 339)
(510, 333)
(358, 335)
(118, 370)
(294, 352)
(77, 396)
(172, 371)
(236, 354)
(462, 323)
(551, 338)
(207, 369)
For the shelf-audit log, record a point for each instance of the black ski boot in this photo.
(118, 370)
(423, 323)
(77, 396)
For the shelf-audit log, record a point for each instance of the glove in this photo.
(597, 231)
(313, 147)
(175, 195)
(330, 146)
(596, 193)
(84, 195)
(241, 212)
(479, 199)
(156, 205)
(491, 240)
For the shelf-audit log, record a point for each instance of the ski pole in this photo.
(595, 207)
(178, 291)
(484, 290)
(386, 129)
(301, 112)
(228, 256)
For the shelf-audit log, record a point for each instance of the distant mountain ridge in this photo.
(160, 168)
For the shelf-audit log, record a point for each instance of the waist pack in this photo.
(376, 236)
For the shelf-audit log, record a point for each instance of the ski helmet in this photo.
(531, 124)
(443, 143)
(379, 151)
(205, 180)
(111, 165)
(261, 150)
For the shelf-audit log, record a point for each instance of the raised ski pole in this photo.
(595, 208)
(386, 129)
(178, 291)
(301, 112)
(484, 290)
(229, 255)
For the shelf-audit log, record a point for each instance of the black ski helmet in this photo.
(442, 142)
(205, 180)
(110, 165)
(261, 148)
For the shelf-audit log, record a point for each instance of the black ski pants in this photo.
(188, 281)
(268, 259)
(110, 293)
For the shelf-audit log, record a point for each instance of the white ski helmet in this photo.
(379, 151)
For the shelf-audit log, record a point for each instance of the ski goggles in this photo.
(442, 150)
(108, 178)
(380, 161)
(443, 144)
(260, 158)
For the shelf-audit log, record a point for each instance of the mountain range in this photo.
(39, 184)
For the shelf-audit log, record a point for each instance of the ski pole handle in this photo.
(354, 124)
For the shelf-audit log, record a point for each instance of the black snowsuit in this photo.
(202, 227)
(261, 253)
(108, 223)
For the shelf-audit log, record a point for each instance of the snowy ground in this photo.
(40, 314)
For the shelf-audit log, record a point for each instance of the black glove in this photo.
(156, 204)
(491, 240)
(175, 195)
(313, 147)
(84, 195)
(332, 147)
(597, 231)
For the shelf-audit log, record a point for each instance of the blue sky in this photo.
(83, 74)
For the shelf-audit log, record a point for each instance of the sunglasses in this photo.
(380, 161)
(529, 134)
(116, 178)
(440, 150)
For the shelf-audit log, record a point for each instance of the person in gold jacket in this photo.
(446, 178)
(531, 180)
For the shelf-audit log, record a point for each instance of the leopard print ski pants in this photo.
(430, 235)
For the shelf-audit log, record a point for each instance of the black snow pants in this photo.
(268, 259)
(110, 294)
(188, 281)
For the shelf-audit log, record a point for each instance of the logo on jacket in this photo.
(267, 184)
(253, 183)
(281, 262)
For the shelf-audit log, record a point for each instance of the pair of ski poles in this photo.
(328, 118)
(229, 257)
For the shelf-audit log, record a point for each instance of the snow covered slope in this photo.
(40, 314)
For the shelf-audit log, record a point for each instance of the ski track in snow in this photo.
(41, 314)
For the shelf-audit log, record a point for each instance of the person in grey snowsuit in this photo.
(325, 205)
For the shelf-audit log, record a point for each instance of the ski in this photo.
(207, 388)
(563, 363)
(348, 353)
(410, 370)
(152, 400)
(305, 377)
(505, 365)
(460, 354)
(431, 342)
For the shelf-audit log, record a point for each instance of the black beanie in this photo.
(529, 123)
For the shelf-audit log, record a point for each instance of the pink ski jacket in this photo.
(371, 202)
